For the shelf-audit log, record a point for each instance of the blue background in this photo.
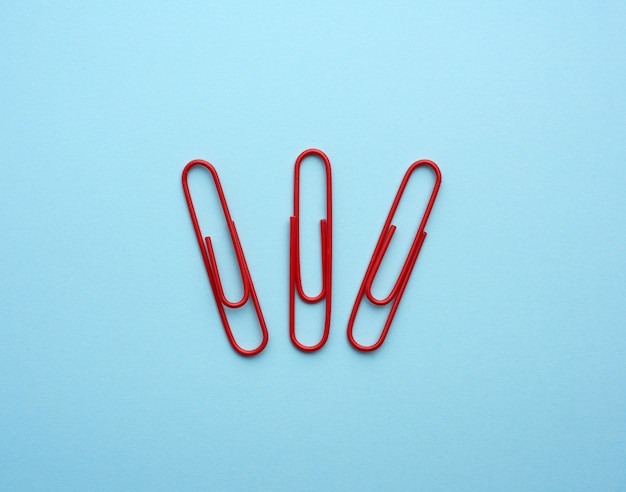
(504, 368)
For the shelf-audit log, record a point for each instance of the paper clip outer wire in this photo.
(295, 274)
(208, 256)
(379, 251)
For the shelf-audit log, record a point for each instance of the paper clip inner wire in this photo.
(208, 256)
(295, 274)
(379, 252)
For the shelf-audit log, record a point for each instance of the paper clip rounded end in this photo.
(426, 162)
(197, 162)
(309, 348)
(365, 348)
(249, 352)
(253, 352)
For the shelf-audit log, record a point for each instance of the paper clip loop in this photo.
(377, 257)
(295, 274)
(208, 255)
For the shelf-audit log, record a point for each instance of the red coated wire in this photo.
(295, 274)
(208, 256)
(379, 252)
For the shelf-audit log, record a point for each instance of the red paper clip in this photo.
(377, 257)
(208, 255)
(295, 274)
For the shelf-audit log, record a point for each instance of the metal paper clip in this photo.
(377, 257)
(295, 274)
(208, 255)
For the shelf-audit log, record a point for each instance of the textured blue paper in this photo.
(504, 368)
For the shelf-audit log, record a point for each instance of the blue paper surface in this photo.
(504, 367)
